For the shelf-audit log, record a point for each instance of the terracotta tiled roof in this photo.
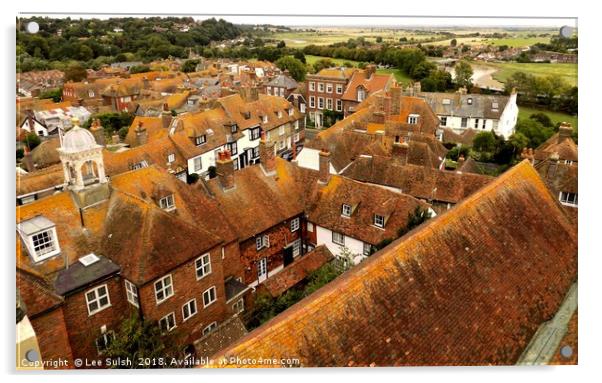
(564, 146)
(465, 138)
(340, 73)
(236, 108)
(418, 181)
(40, 179)
(559, 176)
(153, 126)
(297, 271)
(46, 153)
(36, 293)
(366, 200)
(154, 153)
(374, 83)
(441, 295)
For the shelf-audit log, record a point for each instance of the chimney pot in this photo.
(324, 169)
(225, 169)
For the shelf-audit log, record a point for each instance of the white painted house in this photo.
(460, 111)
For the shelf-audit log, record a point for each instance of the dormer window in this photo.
(234, 128)
(379, 221)
(200, 140)
(167, 203)
(90, 93)
(39, 236)
(413, 119)
(346, 210)
(279, 113)
(171, 157)
(264, 119)
(361, 94)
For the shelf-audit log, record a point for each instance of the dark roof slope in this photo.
(443, 294)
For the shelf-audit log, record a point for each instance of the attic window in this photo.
(264, 119)
(291, 110)
(413, 119)
(167, 203)
(247, 115)
(379, 221)
(279, 113)
(234, 128)
(495, 105)
(89, 259)
(171, 157)
(346, 210)
(39, 236)
(469, 101)
(200, 140)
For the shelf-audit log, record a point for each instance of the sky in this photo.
(332, 21)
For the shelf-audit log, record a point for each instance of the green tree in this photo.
(437, 81)
(484, 142)
(322, 64)
(300, 56)
(464, 73)
(138, 338)
(139, 69)
(32, 140)
(379, 39)
(281, 44)
(75, 73)
(534, 131)
(189, 66)
(55, 94)
(543, 118)
(453, 42)
(294, 66)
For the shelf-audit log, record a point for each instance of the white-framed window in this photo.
(264, 119)
(90, 93)
(281, 144)
(291, 111)
(262, 241)
(302, 108)
(296, 248)
(268, 90)
(167, 203)
(346, 210)
(131, 291)
(312, 86)
(476, 123)
(238, 306)
(203, 266)
(163, 289)
(321, 87)
(568, 162)
(104, 340)
(413, 119)
(209, 328)
(281, 92)
(361, 94)
(329, 103)
(168, 322)
(567, 198)
(464, 122)
(189, 310)
(320, 102)
(233, 147)
(235, 165)
(44, 244)
(97, 299)
(444, 121)
(484, 124)
(312, 101)
(262, 268)
(339, 105)
(255, 133)
(379, 221)
(281, 130)
(296, 124)
(198, 164)
(171, 157)
(200, 140)
(328, 88)
(296, 137)
(255, 152)
(338, 238)
(310, 227)
(339, 89)
(209, 296)
(233, 128)
(367, 249)
(295, 224)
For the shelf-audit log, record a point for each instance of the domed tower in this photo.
(82, 159)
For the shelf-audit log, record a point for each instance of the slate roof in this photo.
(223, 336)
(483, 106)
(283, 81)
(234, 288)
(78, 275)
(441, 295)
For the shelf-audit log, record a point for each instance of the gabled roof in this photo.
(338, 73)
(442, 294)
(40, 179)
(367, 201)
(283, 81)
(372, 84)
(564, 146)
(559, 176)
(236, 108)
(36, 293)
(466, 105)
(418, 181)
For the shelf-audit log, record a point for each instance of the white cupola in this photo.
(81, 157)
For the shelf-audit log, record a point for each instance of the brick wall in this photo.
(187, 287)
(52, 336)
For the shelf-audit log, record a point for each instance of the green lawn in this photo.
(312, 59)
(505, 69)
(399, 75)
(556, 117)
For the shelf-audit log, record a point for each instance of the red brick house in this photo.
(325, 92)
(362, 84)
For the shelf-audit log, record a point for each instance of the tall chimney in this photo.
(98, 132)
(141, 134)
(369, 70)
(395, 100)
(553, 168)
(267, 155)
(400, 151)
(225, 169)
(324, 170)
(565, 131)
(166, 116)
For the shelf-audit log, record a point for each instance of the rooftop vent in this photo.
(89, 259)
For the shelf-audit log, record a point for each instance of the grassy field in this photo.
(524, 112)
(312, 59)
(516, 41)
(399, 75)
(504, 70)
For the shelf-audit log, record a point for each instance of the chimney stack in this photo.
(141, 134)
(565, 131)
(400, 151)
(267, 155)
(324, 170)
(370, 70)
(166, 116)
(98, 132)
(395, 100)
(225, 169)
